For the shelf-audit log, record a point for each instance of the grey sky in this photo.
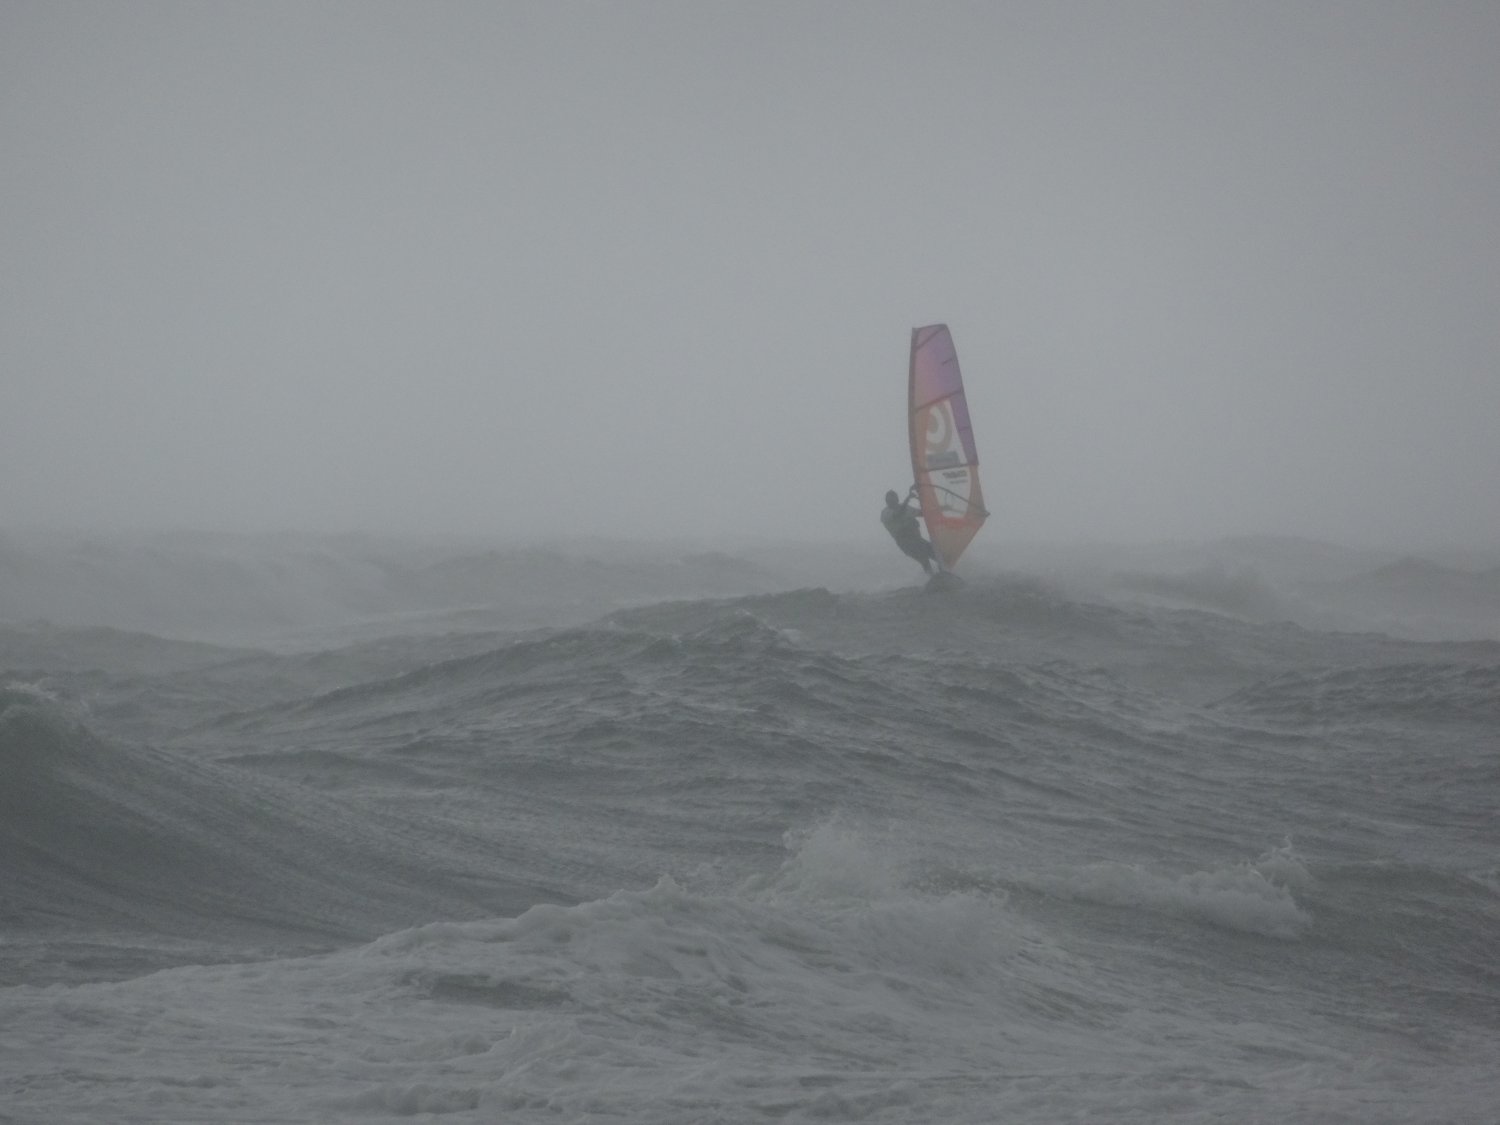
(651, 268)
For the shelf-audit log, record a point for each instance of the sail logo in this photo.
(941, 447)
(941, 429)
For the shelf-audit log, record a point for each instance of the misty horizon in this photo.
(647, 272)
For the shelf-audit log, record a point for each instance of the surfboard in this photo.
(944, 461)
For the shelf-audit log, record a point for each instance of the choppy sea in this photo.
(1001, 855)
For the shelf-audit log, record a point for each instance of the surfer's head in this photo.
(891, 499)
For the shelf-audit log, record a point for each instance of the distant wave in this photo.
(1241, 592)
(96, 832)
(1441, 693)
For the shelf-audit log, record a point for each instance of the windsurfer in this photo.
(901, 522)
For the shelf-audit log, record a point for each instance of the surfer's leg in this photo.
(918, 549)
(929, 554)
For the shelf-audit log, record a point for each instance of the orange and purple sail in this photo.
(943, 457)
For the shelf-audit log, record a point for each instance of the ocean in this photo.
(1011, 854)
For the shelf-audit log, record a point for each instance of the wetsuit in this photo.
(901, 522)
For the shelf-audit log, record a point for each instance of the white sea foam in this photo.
(827, 989)
(1252, 898)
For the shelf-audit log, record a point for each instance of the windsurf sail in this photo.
(943, 458)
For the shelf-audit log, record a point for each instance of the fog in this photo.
(649, 269)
